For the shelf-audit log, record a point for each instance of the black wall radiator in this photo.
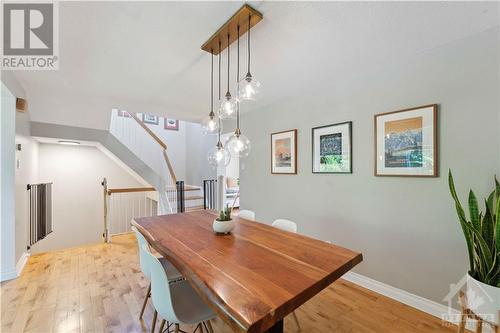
(40, 212)
(209, 194)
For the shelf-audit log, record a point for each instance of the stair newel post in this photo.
(213, 197)
(181, 208)
(204, 194)
(221, 193)
(105, 234)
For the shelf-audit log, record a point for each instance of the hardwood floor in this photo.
(100, 288)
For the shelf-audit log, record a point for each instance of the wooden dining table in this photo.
(253, 277)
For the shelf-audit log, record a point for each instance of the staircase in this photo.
(130, 142)
(132, 132)
(193, 198)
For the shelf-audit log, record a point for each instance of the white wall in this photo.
(197, 146)
(233, 168)
(26, 173)
(7, 203)
(176, 146)
(76, 173)
(406, 228)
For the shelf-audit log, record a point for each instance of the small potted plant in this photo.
(224, 224)
(482, 236)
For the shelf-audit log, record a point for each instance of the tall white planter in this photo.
(483, 299)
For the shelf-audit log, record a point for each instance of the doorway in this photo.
(231, 175)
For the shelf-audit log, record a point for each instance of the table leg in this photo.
(277, 328)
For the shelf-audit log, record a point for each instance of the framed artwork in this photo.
(284, 152)
(406, 142)
(123, 113)
(150, 119)
(332, 148)
(171, 124)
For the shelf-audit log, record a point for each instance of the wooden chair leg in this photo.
(145, 301)
(153, 325)
(479, 326)
(463, 314)
(461, 324)
(296, 319)
(498, 326)
(176, 328)
(162, 325)
(209, 326)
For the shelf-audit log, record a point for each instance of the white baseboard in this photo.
(417, 302)
(8, 275)
(121, 233)
(22, 262)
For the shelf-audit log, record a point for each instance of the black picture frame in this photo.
(349, 124)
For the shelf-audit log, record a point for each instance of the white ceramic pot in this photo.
(223, 227)
(483, 299)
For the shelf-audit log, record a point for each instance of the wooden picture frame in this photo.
(284, 162)
(341, 133)
(150, 119)
(395, 131)
(170, 124)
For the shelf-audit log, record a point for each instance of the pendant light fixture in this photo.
(238, 144)
(219, 156)
(228, 104)
(249, 88)
(211, 122)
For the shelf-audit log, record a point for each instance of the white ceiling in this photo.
(146, 57)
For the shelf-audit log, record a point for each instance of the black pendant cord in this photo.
(238, 58)
(228, 59)
(219, 143)
(238, 82)
(249, 28)
(212, 84)
(219, 66)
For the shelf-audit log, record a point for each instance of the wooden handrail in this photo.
(148, 130)
(130, 189)
(169, 165)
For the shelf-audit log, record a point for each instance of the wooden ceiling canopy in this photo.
(231, 27)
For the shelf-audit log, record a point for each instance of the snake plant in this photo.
(482, 234)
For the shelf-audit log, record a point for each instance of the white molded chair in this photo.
(286, 225)
(177, 303)
(289, 226)
(144, 251)
(246, 214)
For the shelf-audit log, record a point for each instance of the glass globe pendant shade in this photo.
(227, 109)
(210, 125)
(249, 89)
(239, 145)
(219, 156)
